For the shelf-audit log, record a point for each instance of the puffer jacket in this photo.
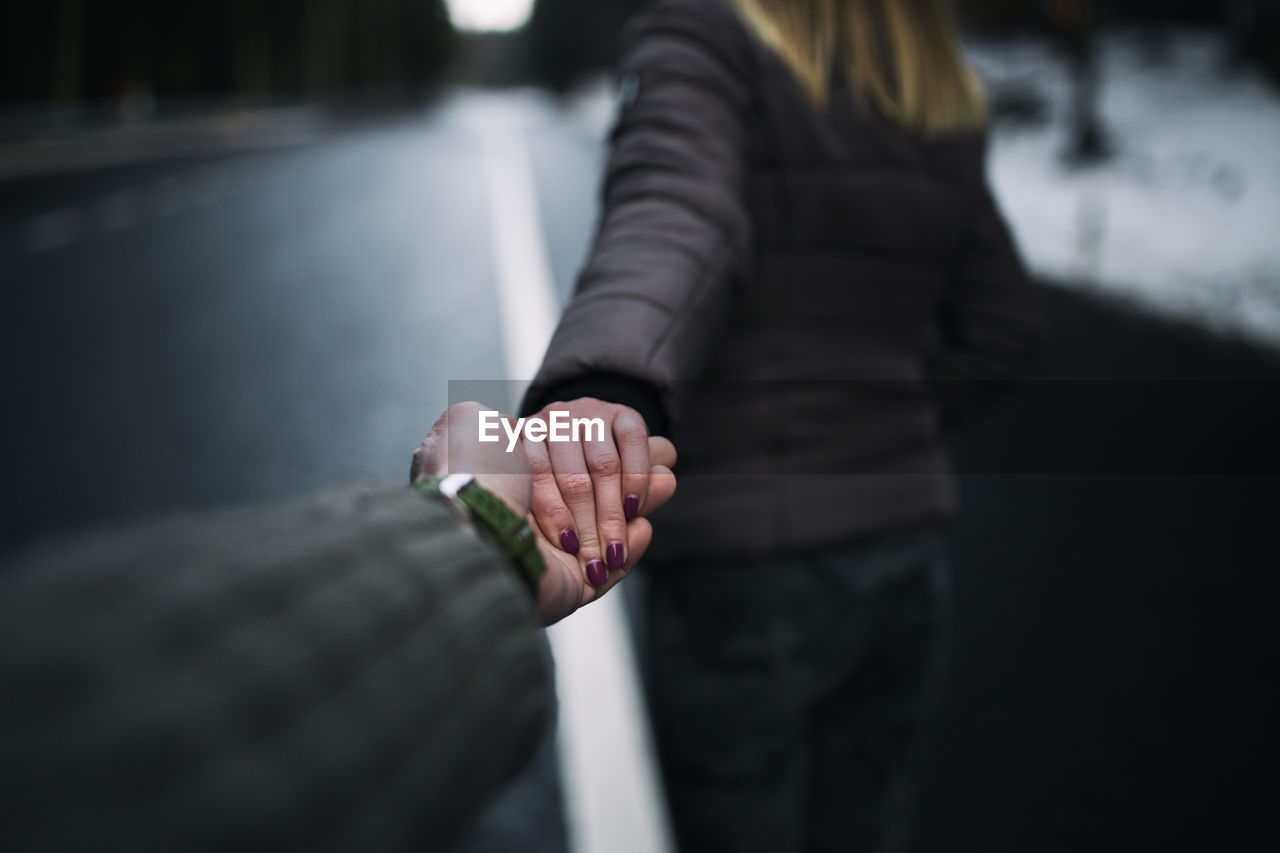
(802, 297)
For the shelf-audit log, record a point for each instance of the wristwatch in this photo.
(495, 522)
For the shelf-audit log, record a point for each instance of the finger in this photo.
(662, 451)
(562, 589)
(639, 535)
(578, 493)
(632, 436)
(662, 485)
(605, 465)
(549, 509)
(554, 599)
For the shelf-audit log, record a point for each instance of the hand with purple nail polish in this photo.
(568, 583)
(588, 489)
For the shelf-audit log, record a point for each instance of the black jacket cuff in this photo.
(610, 387)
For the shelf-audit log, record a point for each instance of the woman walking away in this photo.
(800, 274)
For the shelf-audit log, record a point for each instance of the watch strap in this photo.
(494, 520)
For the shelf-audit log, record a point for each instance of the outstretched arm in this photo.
(674, 233)
(350, 671)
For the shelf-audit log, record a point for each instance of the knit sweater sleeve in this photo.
(352, 671)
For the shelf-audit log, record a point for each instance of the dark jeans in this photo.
(788, 692)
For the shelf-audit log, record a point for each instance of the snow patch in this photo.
(1184, 219)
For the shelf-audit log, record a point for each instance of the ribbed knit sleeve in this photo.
(350, 672)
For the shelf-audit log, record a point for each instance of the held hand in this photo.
(453, 446)
(565, 587)
(586, 491)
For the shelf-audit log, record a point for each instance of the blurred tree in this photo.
(1000, 15)
(569, 38)
(430, 42)
(68, 75)
(325, 57)
(1254, 26)
(76, 50)
(251, 49)
(398, 47)
(1076, 22)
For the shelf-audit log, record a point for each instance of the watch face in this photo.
(451, 484)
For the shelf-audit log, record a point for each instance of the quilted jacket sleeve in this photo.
(347, 672)
(991, 315)
(652, 297)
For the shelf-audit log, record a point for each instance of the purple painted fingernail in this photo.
(631, 506)
(569, 541)
(597, 574)
(613, 555)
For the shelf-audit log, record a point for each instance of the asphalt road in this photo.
(218, 330)
(1116, 577)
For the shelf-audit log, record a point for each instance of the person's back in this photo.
(801, 272)
(842, 286)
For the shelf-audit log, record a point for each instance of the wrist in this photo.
(493, 519)
(512, 489)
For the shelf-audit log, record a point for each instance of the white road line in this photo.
(612, 794)
(527, 299)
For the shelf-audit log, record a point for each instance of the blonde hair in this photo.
(901, 56)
